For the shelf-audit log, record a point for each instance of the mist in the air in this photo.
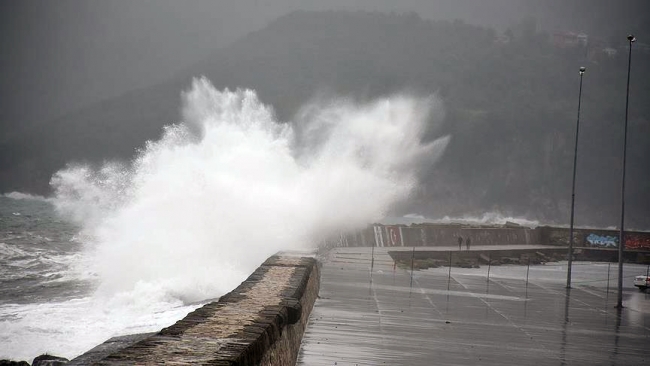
(196, 211)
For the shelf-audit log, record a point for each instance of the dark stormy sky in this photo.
(58, 56)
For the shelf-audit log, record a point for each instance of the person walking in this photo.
(460, 242)
(467, 242)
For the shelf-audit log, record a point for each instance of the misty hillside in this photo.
(510, 99)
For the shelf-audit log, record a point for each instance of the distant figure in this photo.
(468, 241)
(460, 242)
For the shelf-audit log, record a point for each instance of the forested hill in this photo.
(510, 98)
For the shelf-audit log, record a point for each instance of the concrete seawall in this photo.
(477, 254)
(437, 235)
(261, 322)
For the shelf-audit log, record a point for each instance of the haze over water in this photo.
(198, 210)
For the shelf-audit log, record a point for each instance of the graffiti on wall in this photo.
(394, 234)
(636, 242)
(632, 241)
(602, 240)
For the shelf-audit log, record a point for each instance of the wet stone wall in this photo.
(597, 238)
(434, 235)
(261, 322)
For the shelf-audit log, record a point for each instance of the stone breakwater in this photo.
(261, 322)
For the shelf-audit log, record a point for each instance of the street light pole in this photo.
(621, 238)
(573, 186)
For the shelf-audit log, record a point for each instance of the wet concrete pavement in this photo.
(434, 318)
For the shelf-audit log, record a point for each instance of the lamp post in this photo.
(621, 238)
(573, 185)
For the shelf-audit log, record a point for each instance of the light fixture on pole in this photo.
(621, 238)
(573, 185)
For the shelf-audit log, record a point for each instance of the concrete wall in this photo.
(439, 235)
(447, 235)
(599, 238)
(284, 351)
(476, 256)
(261, 322)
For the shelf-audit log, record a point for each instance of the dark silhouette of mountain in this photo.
(511, 103)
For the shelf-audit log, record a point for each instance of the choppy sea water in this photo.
(36, 252)
(47, 290)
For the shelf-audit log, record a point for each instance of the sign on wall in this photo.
(394, 235)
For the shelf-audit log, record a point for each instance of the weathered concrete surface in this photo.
(517, 251)
(496, 251)
(110, 346)
(284, 351)
(463, 319)
(261, 322)
(436, 234)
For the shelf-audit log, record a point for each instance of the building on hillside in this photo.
(565, 39)
(583, 39)
(503, 39)
(610, 52)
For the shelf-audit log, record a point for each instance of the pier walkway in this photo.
(440, 316)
